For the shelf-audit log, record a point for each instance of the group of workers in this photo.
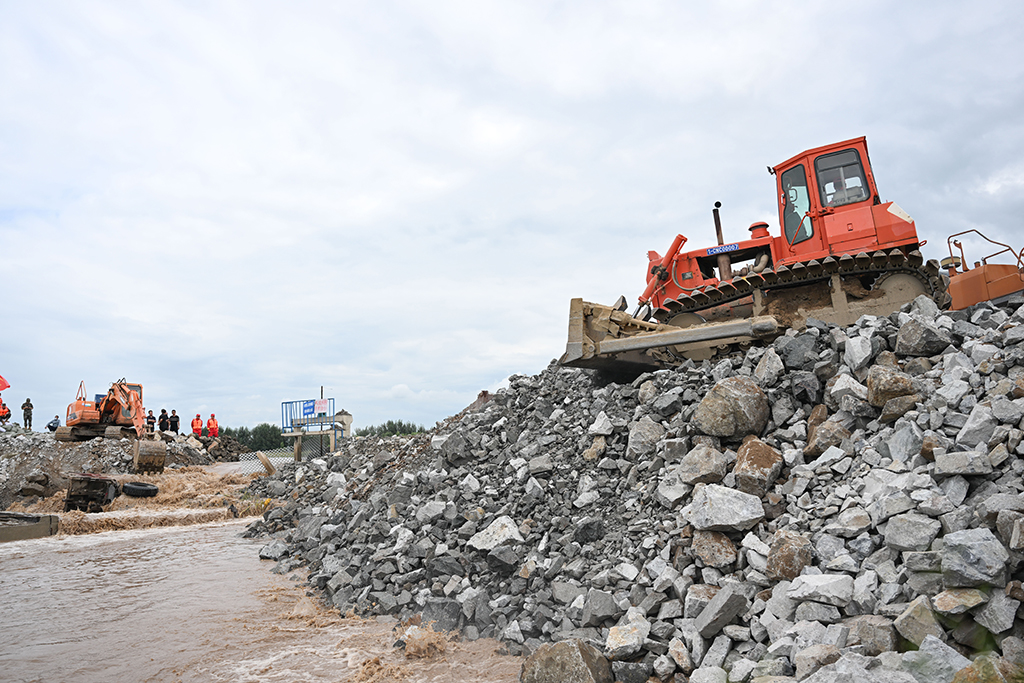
(171, 423)
(166, 423)
(26, 411)
(212, 428)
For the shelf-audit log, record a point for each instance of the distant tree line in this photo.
(262, 437)
(391, 428)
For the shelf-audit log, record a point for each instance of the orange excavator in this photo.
(841, 253)
(117, 415)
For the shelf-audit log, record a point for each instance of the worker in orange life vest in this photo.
(212, 428)
(197, 425)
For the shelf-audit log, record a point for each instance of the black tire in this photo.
(139, 489)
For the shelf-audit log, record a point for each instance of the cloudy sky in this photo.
(236, 203)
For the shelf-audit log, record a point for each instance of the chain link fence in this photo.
(313, 446)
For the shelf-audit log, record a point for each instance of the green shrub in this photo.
(391, 428)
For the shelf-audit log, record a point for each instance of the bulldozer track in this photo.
(878, 264)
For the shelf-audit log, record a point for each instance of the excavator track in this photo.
(878, 266)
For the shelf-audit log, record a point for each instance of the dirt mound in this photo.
(34, 465)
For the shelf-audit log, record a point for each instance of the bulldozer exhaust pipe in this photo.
(724, 264)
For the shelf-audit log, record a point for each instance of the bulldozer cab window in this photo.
(840, 178)
(796, 202)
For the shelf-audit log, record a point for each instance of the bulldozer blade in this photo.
(636, 346)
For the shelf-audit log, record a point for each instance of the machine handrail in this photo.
(950, 241)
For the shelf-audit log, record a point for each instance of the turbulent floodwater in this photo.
(193, 604)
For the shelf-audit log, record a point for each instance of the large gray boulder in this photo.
(734, 408)
(934, 662)
(719, 508)
(917, 338)
(570, 661)
(973, 557)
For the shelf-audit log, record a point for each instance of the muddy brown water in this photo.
(194, 604)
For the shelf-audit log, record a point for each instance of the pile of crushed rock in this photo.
(843, 503)
(33, 465)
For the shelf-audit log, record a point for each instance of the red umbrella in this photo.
(4, 384)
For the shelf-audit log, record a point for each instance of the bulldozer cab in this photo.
(825, 199)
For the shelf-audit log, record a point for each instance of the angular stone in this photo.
(979, 427)
(962, 463)
(885, 384)
(859, 352)
(702, 465)
(769, 369)
(502, 559)
(709, 674)
(812, 658)
(895, 408)
(911, 531)
(934, 662)
(790, 553)
(973, 557)
(998, 614)
(757, 467)
(851, 522)
(827, 434)
(918, 621)
(500, 531)
(569, 660)
(600, 605)
(735, 407)
(643, 437)
(566, 593)
(542, 464)
(916, 338)
(719, 508)
(602, 425)
(955, 601)
(274, 550)
(906, 443)
(872, 633)
(713, 548)
(678, 651)
(831, 589)
(987, 668)
(626, 640)
(845, 385)
(673, 488)
(727, 604)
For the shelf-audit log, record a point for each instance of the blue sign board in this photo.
(722, 249)
(308, 408)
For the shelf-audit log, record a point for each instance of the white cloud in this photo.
(237, 204)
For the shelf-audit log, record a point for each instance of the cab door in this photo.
(798, 213)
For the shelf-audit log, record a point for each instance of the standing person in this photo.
(53, 424)
(173, 421)
(197, 425)
(163, 422)
(26, 408)
(150, 422)
(212, 428)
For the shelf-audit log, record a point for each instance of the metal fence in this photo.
(299, 414)
(248, 463)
